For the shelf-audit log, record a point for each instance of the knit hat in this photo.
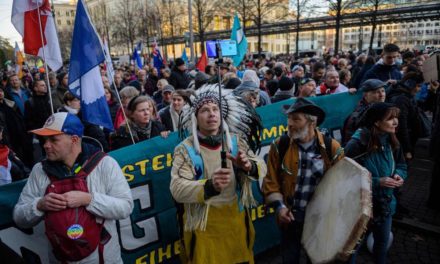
(179, 62)
(305, 106)
(232, 83)
(372, 85)
(285, 83)
(61, 123)
(374, 113)
(201, 77)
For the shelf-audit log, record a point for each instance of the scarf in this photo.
(141, 133)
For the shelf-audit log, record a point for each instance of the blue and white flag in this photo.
(184, 56)
(85, 80)
(237, 34)
(136, 55)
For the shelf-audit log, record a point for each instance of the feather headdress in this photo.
(239, 117)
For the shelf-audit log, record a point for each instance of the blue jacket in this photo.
(18, 99)
(383, 72)
(381, 163)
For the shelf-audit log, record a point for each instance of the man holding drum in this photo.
(296, 164)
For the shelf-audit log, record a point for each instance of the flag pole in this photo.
(44, 58)
(119, 99)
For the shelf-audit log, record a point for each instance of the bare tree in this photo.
(102, 21)
(337, 8)
(244, 8)
(373, 6)
(6, 51)
(300, 7)
(261, 10)
(126, 19)
(204, 12)
(172, 9)
(65, 40)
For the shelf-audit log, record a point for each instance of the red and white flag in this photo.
(34, 21)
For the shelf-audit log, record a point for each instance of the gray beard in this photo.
(301, 134)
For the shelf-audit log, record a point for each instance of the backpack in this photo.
(284, 144)
(74, 233)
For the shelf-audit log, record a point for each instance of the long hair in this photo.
(374, 142)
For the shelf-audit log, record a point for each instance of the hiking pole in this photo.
(219, 62)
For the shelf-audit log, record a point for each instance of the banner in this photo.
(150, 234)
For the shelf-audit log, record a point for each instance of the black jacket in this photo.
(179, 79)
(37, 110)
(165, 118)
(409, 124)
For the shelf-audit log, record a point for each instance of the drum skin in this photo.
(338, 213)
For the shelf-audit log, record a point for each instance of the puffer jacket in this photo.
(383, 162)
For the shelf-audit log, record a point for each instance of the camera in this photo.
(221, 48)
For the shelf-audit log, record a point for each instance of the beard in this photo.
(300, 134)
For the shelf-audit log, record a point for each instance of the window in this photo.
(67, 13)
(68, 22)
(226, 22)
(59, 22)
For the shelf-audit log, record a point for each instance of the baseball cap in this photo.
(168, 88)
(61, 123)
(372, 85)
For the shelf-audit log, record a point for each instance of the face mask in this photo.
(399, 61)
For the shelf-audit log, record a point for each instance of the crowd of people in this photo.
(380, 134)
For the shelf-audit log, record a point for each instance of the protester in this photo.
(373, 92)
(369, 63)
(286, 90)
(216, 230)
(37, 108)
(299, 154)
(345, 77)
(5, 163)
(251, 79)
(167, 96)
(298, 73)
(170, 115)
(126, 94)
(71, 104)
(107, 195)
(179, 78)
(375, 146)
(118, 83)
(17, 93)
(307, 88)
(402, 95)
(157, 96)
(142, 127)
(60, 90)
(318, 72)
(331, 85)
(386, 68)
(112, 102)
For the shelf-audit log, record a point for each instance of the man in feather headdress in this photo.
(217, 226)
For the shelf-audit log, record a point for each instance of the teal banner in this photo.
(150, 234)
